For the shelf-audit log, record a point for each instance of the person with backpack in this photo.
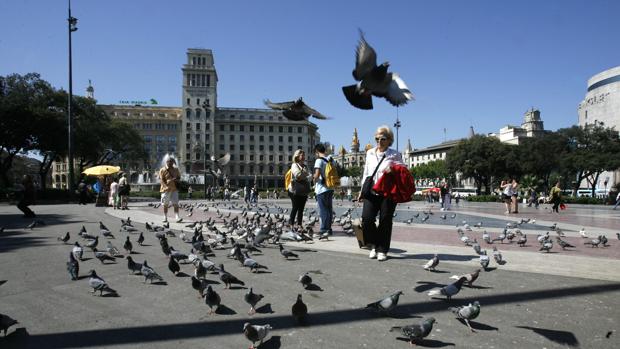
(298, 186)
(322, 189)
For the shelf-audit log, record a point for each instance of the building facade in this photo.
(602, 105)
(261, 142)
(532, 126)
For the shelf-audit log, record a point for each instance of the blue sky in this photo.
(481, 63)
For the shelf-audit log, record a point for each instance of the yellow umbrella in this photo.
(101, 170)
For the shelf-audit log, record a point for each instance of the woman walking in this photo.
(299, 188)
(379, 161)
(556, 197)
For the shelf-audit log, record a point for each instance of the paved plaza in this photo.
(560, 299)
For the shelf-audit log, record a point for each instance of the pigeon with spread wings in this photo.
(296, 110)
(374, 80)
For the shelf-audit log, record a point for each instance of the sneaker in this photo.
(373, 254)
(165, 220)
(179, 220)
(381, 256)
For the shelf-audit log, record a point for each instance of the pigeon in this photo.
(467, 312)
(65, 238)
(200, 271)
(563, 243)
(150, 274)
(252, 264)
(286, 253)
(173, 266)
(296, 110)
(299, 310)
(498, 256)
(484, 260)
(416, 332)
(103, 256)
(128, 246)
(77, 251)
(469, 278)
(199, 285)
(133, 266)
(6, 322)
(387, 304)
(227, 278)
(593, 242)
(73, 267)
(432, 263)
(374, 80)
(141, 239)
(92, 244)
(111, 249)
(305, 280)
(252, 298)
(546, 246)
(448, 290)
(486, 237)
(255, 333)
(98, 284)
(522, 240)
(476, 246)
(212, 299)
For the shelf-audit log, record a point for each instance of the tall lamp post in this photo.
(72, 27)
(397, 126)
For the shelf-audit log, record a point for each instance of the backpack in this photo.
(332, 179)
(288, 178)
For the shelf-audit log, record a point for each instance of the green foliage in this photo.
(353, 171)
(431, 170)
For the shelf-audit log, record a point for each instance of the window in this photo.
(251, 146)
(290, 148)
(280, 139)
(172, 139)
(198, 111)
(280, 158)
(261, 128)
(198, 101)
(261, 138)
(290, 129)
(280, 148)
(241, 128)
(251, 138)
(221, 127)
(222, 138)
(251, 157)
(188, 125)
(187, 137)
(298, 129)
(232, 147)
(197, 126)
(189, 102)
(198, 137)
(271, 147)
(241, 147)
(232, 127)
(270, 138)
(198, 155)
(207, 136)
(290, 139)
(241, 138)
(270, 128)
(188, 113)
(299, 139)
(231, 138)
(270, 169)
(187, 146)
(241, 157)
(208, 126)
(261, 147)
(261, 117)
(221, 146)
(251, 169)
(241, 169)
(208, 80)
(251, 128)
(271, 159)
(280, 129)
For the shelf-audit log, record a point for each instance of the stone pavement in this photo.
(537, 300)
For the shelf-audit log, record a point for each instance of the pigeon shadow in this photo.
(181, 275)
(397, 250)
(272, 343)
(110, 295)
(237, 288)
(314, 287)
(428, 343)
(478, 326)
(159, 283)
(439, 271)
(146, 245)
(477, 287)
(224, 310)
(2, 282)
(262, 272)
(303, 250)
(557, 336)
(489, 269)
(426, 286)
(265, 309)
(83, 277)
(135, 252)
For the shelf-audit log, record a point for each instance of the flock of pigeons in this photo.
(372, 80)
(248, 233)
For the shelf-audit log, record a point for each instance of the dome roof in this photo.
(368, 147)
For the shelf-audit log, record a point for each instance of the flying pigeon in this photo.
(299, 310)
(374, 80)
(255, 333)
(295, 110)
(416, 332)
(98, 284)
(252, 298)
(467, 312)
(387, 304)
(448, 290)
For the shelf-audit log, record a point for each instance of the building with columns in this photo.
(261, 142)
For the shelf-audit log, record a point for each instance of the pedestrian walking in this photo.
(379, 161)
(617, 201)
(189, 192)
(447, 197)
(123, 191)
(27, 197)
(324, 195)
(113, 196)
(246, 194)
(299, 188)
(515, 196)
(506, 187)
(83, 193)
(169, 177)
(556, 197)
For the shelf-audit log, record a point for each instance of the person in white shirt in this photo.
(617, 201)
(379, 238)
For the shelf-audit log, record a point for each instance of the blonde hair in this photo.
(297, 153)
(387, 132)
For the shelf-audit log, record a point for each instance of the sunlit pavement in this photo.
(537, 300)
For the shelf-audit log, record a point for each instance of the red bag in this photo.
(562, 207)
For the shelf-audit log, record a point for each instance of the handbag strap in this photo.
(376, 168)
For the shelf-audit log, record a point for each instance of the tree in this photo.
(431, 170)
(480, 158)
(589, 151)
(26, 116)
(540, 156)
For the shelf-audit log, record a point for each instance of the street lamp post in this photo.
(72, 27)
(397, 126)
